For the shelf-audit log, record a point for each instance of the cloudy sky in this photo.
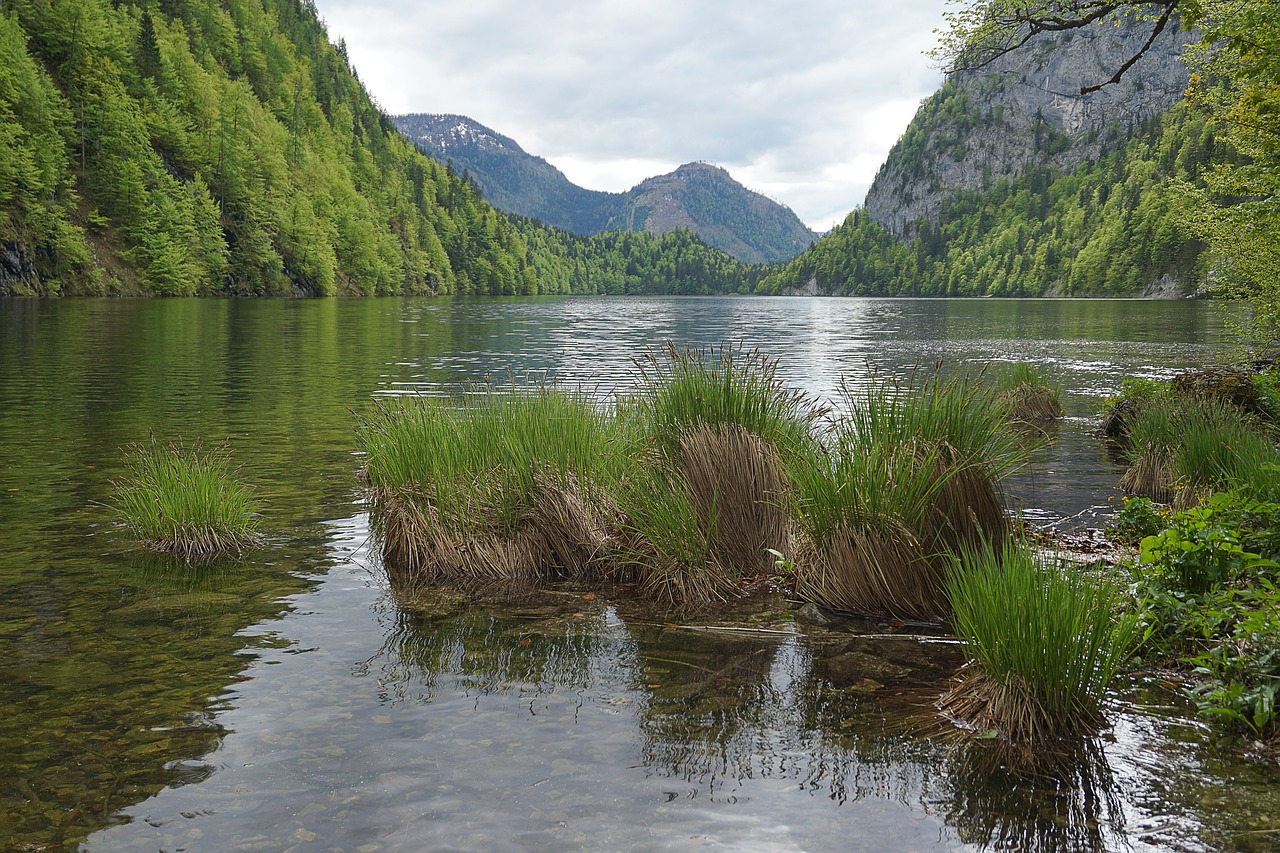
(800, 101)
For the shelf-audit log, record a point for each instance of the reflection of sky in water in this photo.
(374, 721)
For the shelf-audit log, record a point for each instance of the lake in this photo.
(291, 700)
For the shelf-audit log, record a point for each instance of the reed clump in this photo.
(186, 501)
(719, 425)
(1043, 646)
(681, 388)
(1182, 448)
(506, 485)
(910, 477)
(1027, 396)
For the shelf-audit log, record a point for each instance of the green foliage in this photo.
(1207, 586)
(1237, 85)
(1043, 636)
(1198, 553)
(211, 147)
(1138, 519)
(1241, 674)
(186, 501)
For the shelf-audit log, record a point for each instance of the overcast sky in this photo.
(800, 101)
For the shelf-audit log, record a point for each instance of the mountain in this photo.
(697, 196)
(509, 179)
(227, 147)
(1010, 182)
(1025, 112)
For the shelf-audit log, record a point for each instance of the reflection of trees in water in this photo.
(111, 664)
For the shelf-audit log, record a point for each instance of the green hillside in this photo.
(227, 147)
(1109, 227)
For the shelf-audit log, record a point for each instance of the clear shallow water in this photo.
(293, 701)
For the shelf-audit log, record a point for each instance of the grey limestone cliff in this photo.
(1024, 111)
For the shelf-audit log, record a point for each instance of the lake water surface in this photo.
(292, 701)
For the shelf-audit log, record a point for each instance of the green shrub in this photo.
(186, 501)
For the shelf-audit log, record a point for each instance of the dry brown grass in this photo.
(966, 510)
(571, 526)
(564, 536)
(737, 485)
(983, 704)
(872, 571)
(1149, 477)
(1030, 403)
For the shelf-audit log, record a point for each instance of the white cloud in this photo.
(798, 101)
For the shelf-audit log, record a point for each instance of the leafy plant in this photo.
(1138, 518)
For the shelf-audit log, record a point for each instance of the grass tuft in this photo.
(911, 476)
(503, 485)
(186, 501)
(1181, 449)
(1027, 396)
(1043, 646)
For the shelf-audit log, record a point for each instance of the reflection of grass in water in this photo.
(1072, 803)
(544, 648)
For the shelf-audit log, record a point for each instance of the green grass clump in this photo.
(1043, 643)
(501, 485)
(1181, 449)
(186, 501)
(722, 425)
(666, 547)
(680, 388)
(1026, 394)
(911, 476)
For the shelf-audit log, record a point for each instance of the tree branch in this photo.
(1129, 63)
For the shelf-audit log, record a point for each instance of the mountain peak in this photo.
(698, 195)
(445, 131)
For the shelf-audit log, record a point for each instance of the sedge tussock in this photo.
(1043, 645)
(186, 501)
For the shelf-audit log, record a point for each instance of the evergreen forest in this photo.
(1109, 228)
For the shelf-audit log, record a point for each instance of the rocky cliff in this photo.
(1025, 110)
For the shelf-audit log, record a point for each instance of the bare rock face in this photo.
(17, 275)
(1026, 111)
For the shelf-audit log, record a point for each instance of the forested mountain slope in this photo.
(227, 147)
(1009, 182)
(698, 196)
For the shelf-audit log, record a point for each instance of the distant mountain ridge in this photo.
(698, 196)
